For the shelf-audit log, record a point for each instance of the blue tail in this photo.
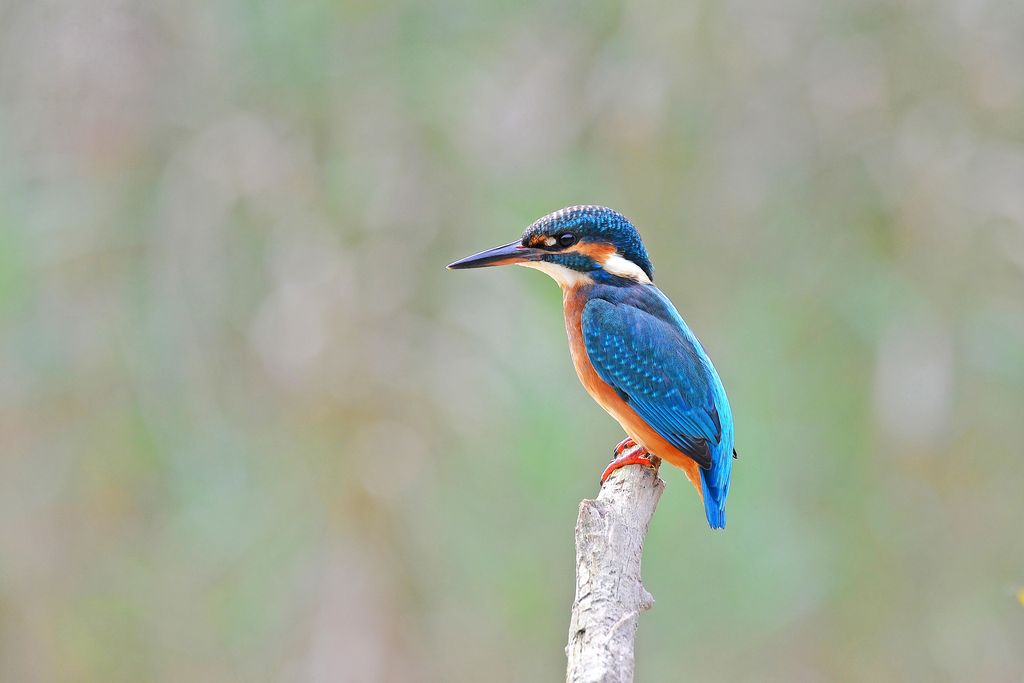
(714, 502)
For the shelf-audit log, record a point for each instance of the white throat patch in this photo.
(567, 278)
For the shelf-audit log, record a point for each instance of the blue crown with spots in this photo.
(595, 224)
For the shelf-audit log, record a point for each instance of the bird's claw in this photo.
(635, 455)
(623, 445)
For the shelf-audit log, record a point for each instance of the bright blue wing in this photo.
(658, 371)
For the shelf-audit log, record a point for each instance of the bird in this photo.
(631, 349)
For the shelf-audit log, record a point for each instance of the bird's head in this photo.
(576, 245)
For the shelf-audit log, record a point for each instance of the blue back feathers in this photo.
(639, 344)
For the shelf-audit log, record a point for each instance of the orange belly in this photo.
(606, 397)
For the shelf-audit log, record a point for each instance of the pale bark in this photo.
(610, 534)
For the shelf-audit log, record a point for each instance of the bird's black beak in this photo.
(513, 252)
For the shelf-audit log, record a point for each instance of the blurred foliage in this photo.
(251, 429)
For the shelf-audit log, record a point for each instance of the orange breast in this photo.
(606, 397)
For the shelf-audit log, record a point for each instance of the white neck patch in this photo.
(623, 267)
(567, 278)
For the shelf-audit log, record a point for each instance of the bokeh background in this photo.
(252, 430)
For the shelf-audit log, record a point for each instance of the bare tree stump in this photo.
(610, 533)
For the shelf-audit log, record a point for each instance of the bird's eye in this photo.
(567, 240)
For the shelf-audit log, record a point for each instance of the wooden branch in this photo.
(610, 533)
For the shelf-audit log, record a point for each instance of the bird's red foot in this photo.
(625, 444)
(638, 456)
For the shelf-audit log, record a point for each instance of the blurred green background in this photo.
(252, 430)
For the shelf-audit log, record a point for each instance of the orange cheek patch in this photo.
(596, 251)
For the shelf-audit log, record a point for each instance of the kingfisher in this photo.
(631, 349)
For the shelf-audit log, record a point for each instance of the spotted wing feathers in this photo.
(658, 371)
